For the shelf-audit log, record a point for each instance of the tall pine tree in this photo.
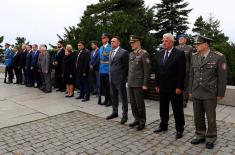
(1, 49)
(171, 17)
(1, 40)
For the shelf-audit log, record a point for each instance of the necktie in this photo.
(113, 54)
(202, 59)
(166, 57)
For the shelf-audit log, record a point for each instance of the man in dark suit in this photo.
(82, 69)
(58, 64)
(94, 66)
(34, 64)
(119, 60)
(170, 73)
(22, 61)
(16, 65)
(28, 67)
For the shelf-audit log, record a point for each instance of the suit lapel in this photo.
(172, 55)
(161, 56)
(117, 53)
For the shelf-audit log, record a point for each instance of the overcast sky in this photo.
(40, 20)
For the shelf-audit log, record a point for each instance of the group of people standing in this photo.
(179, 74)
(30, 65)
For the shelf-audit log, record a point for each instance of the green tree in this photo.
(210, 28)
(20, 41)
(171, 17)
(71, 36)
(1, 50)
(1, 40)
(116, 17)
(199, 25)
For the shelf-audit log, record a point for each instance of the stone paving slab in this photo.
(80, 133)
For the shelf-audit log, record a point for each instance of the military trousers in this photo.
(200, 109)
(137, 104)
(185, 91)
(104, 86)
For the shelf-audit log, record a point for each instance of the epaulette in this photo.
(144, 51)
(218, 53)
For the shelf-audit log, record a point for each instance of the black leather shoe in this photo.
(69, 95)
(123, 120)
(85, 100)
(79, 97)
(140, 127)
(209, 145)
(47, 91)
(133, 124)
(109, 103)
(179, 135)
(113, 115)
(160, 129)
(196, 141)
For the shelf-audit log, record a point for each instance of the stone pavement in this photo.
(35, 122)
(80, 133)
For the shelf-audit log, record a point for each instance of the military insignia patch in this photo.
(211, 63)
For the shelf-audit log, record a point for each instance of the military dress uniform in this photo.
(138, 75)
(208, 77)
(8, 62)
(188, 50)
(104, 53)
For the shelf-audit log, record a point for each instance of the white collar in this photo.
(116, 49)
(169, 51)
(106, 45)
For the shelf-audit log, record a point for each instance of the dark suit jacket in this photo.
(69, 66)
(16, 60)
(119, 67)
(28, 59)
(83, 62)
(22, 59)
(94, 60)
(170, 75)
(34, 61)
(59, 57)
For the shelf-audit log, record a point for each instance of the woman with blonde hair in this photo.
(69, 70)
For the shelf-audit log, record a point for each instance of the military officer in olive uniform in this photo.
(138, 75)
(188, 50)
(207, 84)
